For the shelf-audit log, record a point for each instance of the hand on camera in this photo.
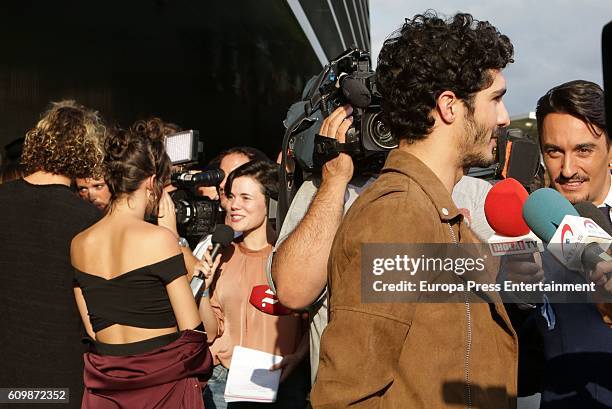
(207, 267)
(335, 126)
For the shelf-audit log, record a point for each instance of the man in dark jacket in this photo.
(571, 368)
(40, 326)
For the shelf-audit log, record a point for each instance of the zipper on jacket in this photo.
(468, 348)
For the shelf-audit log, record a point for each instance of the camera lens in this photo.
(183, 211)
(379, 133)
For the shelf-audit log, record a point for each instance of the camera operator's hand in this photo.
(335, 126)
(166, 215)
(207, 267)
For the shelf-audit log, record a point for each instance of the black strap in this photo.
(605, 209)
(326, 149)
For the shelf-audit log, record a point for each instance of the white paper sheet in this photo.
(249, 377)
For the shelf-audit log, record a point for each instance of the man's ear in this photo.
(447, 106)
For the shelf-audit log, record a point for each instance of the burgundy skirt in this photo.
(165, 377)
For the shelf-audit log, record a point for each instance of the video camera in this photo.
(195, 215)
(347, 79)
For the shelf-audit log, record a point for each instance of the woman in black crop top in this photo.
(132, 291)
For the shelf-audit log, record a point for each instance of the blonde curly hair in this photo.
(68, 140)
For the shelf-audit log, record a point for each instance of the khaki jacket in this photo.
(409, 355)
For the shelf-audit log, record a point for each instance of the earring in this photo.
(150, 196)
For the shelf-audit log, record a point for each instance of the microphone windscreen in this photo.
(504, 208)
(544, 210)
(223, 234)
(355, 92)
(589, 210)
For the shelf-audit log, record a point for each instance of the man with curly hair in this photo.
(442, 90)
(94, 190)
(40, 216)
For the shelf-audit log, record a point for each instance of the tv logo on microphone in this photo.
(573, 234)
(507, 246)
(513, 247)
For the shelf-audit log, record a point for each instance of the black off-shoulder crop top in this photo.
(137, 298)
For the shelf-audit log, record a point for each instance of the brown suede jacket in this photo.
(409, 355)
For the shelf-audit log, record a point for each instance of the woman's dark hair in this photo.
(428, 56)
(264, 172)
(581, 99)
(249, 152)
(135, 154)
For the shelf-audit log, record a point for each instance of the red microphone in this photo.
(504, 212)
(264, 299)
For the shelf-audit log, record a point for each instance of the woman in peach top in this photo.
(237, 309)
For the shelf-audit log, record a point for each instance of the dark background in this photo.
(228, 69)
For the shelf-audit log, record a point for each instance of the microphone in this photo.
(593, 252)
(577, 242)
(544, 211)
(503, 210)
(222, 236)
(590, 211)
(211, 177)
(354, 90)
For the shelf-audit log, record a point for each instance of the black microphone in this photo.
(222, 236)
(355, 91)
(211, 177)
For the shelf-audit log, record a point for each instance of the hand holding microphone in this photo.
(205, 269)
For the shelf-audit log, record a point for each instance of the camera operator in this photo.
(298, 269)
(40, 216)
